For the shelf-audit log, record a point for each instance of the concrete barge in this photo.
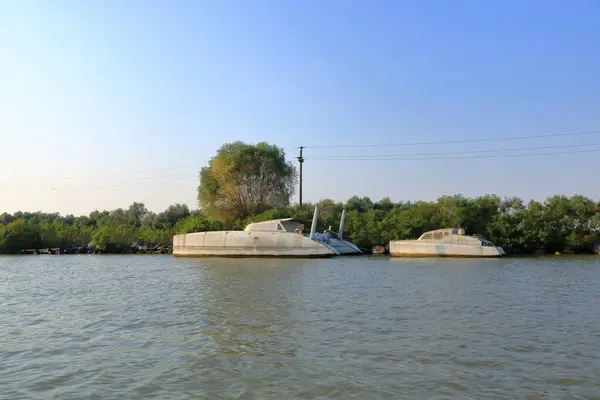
(274, 238)
(446, 243)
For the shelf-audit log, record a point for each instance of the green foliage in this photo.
(173, 214)
(244, 179)
(19, 234)
(103, 236)
(197, 224)
(558, 224)
(107, 230)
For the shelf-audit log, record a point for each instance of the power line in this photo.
(91, 183)
(127, 172)
(596, 132)
(125, 184)
(463, 157)
(353, 157)
(113, 183)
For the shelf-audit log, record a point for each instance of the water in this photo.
(111, 327)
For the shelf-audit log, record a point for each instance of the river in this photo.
(140, 327)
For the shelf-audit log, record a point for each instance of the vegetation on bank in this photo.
(245, 182)
(558, 224)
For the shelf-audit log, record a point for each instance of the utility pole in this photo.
(301, 161)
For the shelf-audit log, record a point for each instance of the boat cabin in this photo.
(439, 234)
(454, 235)
(277, 225)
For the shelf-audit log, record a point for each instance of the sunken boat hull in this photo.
(249, 244)
(274, 238)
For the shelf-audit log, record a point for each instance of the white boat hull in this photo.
(414, 248)
(249, 244)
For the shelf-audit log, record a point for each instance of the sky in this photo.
(103, 103)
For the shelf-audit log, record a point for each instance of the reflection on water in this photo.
(245, 304)
(133, 327)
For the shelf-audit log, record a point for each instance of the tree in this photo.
(103, 237)
(330, 214)
(137, 213)
(506, 228)
(384, 204)
(117, 217)
(560, 223)
(360, 204)
(197, 224)
(18, 235)
(244, 179)
(174, 213)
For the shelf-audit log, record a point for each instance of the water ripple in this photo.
(110, 327)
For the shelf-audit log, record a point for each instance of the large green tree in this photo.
(19, 234)
(244, 179)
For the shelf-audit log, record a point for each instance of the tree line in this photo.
(252, 182)
(246, 183)
(559, 223)
(118, 230)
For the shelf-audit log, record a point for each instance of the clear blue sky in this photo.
(106, 102)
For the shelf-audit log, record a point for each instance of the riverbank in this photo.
(167, 250)
(87, 249)
(559, 224)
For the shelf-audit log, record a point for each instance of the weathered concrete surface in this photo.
(445, 243)
(412, 248)
(274, 238)
(248, 243)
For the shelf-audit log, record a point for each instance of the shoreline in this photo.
(374, 255)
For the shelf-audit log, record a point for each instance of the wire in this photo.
(448, 152)
(596, 132)
(127, 172)
(124, 184)
(457, 158)
(141, 180)
(90, 183)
